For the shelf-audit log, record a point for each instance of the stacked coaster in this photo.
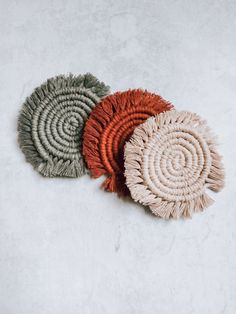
(109, 127)
(170, 161)
(162, 158)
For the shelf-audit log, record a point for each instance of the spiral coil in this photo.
(109, 126)
(52, 120)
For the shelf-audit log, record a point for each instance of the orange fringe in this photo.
(109, 126)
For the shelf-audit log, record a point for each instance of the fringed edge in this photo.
(52, 168)
(117, 184)
(216, 177)
(86, 81)
(62, 168)
(167, 210)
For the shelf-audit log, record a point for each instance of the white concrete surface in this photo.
(65, 245)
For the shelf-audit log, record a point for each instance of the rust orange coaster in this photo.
(109, 126)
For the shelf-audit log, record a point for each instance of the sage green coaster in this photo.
(52, 120)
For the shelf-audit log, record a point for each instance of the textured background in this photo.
(65, 245)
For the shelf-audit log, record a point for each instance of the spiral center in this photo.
(178, 161)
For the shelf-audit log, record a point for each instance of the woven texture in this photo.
(52, 120)
(109, 126)
(170, 161)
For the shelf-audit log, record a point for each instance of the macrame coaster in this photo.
(52, 120)
(170, 161)
(109, 126)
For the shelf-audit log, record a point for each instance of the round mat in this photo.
(109, 126)
(170, 161)
(52, 120)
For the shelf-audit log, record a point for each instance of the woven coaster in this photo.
(52, 120)
(170, 161)
(109, 126)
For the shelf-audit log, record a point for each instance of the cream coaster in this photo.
(170, 161)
